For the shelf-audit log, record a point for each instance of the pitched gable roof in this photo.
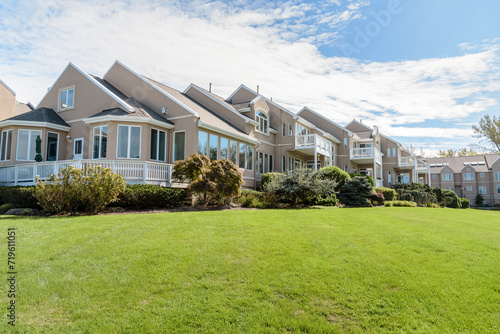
(40, 117)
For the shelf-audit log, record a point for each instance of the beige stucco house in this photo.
(139, 127)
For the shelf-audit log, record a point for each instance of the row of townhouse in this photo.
(139, 127)
(469, 176)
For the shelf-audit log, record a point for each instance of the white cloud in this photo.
(272, 45)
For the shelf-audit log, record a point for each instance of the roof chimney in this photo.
(257, 89)
(210, 87)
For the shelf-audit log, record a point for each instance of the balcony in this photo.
(423, 167)
(307, 143)
(143, 172)
(366, 155)
(407, 163)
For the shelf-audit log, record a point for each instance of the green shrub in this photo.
(479, 199)
(450, 199)
(299, 185)
(257, 199)
(356, 192)
(22, 197)
(6, 207)
(149, 196)
(318, 200)
(75, 190)
(405, 197)
(335, 174)
(368, 177)
(389, 194)
(377, 198)
(268, 177)
(465, 203)
(400, 203)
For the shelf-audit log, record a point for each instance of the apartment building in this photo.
(469, 176)
(139, 127)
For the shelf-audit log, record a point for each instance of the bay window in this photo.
(129, 142)
(26, 144)
(179, 145)
(158, 145)
(5, 142)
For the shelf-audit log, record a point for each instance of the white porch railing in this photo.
(133, 171)
(367, 153)
(406, 161)
(423, 167)
(323, 146)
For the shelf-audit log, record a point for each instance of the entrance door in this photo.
(78, 149)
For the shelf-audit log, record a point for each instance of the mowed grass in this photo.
(268, 271)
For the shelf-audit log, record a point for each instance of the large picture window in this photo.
(129, 142)
(158, 145)
(66, 99)
(5, 143)
(233, 151)
(26, 144)
(242, 156)
(179, 146)
(100, 146)
(52, 146)
(447, 177)
(214, 144)
(249, 157)
(468, 176)
(203, 143)
(224, 148)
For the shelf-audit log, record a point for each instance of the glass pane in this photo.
(23, 137)
(242, 155)
(78, 147)
(104, 141)
(266, 163)
(135, 142)
(250, 158)
(123, 138)
(224, 144)
(70, 98)
(202, 142)
(32, 144)
(97, 144)
(52, 146)
(233, 148)
(179, 146)
(214, 142)
(261, 162)
(9, 144)
(154, 145)
(4, 145)
(162, 146)
(64, 97)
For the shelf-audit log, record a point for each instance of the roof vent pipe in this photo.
(257, 89)
(210, 87)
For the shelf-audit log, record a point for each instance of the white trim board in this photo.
(35, 124)
(128, 119)
(6, 86)
(213, 128)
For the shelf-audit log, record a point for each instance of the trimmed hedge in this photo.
(268, 177)
(335, 174)
(389, 194)
(400, 203)
(149, 196)
(21, 197)
(465, 203)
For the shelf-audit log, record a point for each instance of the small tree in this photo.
(356, 192)
(479, 199)
(489, 128)
(209, 178)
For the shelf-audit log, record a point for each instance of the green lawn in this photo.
(268, 271)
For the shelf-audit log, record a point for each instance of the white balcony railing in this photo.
(132, 171)
(406, 161)
(323, 146)
(367, 153)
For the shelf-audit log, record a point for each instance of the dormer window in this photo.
(261, 118)
(66, 98)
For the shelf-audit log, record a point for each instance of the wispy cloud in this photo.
(273, 44)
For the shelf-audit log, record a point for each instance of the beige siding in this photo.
(7, 103)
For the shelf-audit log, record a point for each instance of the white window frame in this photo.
(345, 144)
(83, 142)
(388, 152)
(158, 145)
(100, 142)
(59, 98)
(468, 176)
(447, 177)
(290, 129)
(481, 175)
(469, 188)
(173, 145)
(498, 188)
(433, 176)
(483, 190)
(264, 121)
(497, 176)
(240, 145)
(129, 140)
(6, 145)
(57, 147)
(447, 188)
(250, 160)
(394, 152)
(29, 144)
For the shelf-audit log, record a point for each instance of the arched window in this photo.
(261, 118)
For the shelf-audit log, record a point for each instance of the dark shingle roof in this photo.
(42, 115)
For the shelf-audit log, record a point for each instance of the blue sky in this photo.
(422, 70)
